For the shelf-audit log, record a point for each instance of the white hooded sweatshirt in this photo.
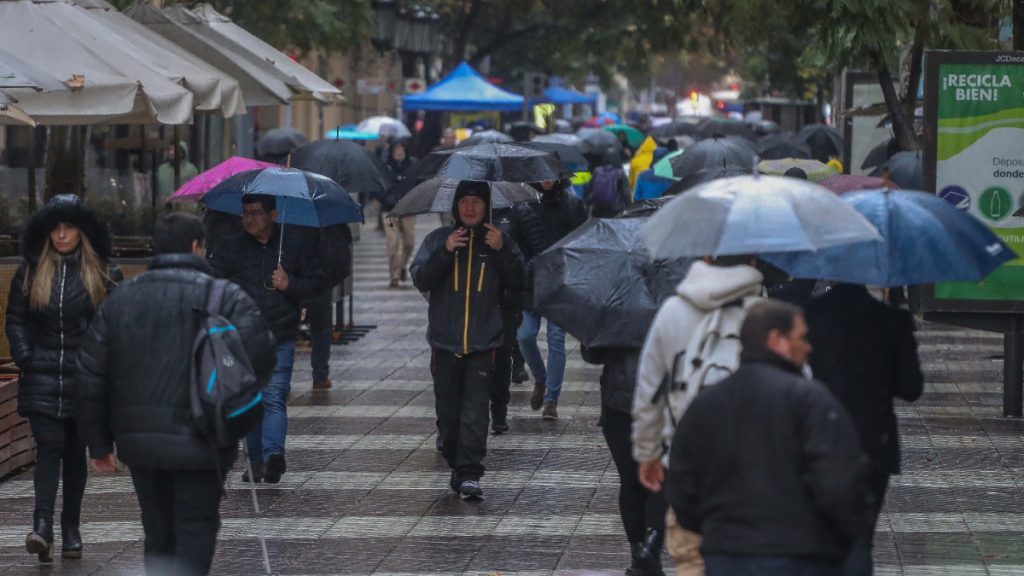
(704, 289)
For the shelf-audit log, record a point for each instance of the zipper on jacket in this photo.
(60, 367)
(469, 282)
(480, 280)
(456, 270)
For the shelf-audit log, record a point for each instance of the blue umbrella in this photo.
(346, 134)
(927, 240)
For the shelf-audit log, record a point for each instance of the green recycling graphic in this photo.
(980, 163)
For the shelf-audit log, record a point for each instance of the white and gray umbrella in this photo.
(384, 126)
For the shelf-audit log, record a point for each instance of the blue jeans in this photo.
(554, 373)
(269, 439)
(727, 565)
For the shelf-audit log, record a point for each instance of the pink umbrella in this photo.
(842, 183)
(194, 189)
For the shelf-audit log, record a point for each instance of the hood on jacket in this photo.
(708, 287)
(471, 188)
(70, 209)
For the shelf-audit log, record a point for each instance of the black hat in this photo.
(69, 209)
(471, 188)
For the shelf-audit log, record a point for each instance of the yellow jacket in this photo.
(641, 161)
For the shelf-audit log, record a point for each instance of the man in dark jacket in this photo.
(866, 354)
(401, 232)
(333, 249)
(466, 270)
(560, 212)
(278, 275)
(766, 464)
(137, 397)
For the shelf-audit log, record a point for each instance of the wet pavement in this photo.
(366, 491)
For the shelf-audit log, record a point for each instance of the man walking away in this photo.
(766, 464)
(466, 270)
(866, 354)
(278, 277)
(333, 248)
(561, 212)
(137, 397)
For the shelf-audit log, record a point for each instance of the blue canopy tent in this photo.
(557, 94)
(463, 89)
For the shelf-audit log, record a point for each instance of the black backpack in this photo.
(226, 401)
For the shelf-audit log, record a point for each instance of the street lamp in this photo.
(385, 14)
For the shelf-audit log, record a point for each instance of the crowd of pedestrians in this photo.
(750, 435)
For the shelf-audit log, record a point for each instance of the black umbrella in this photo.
(571, 157)
(706, 175)
(486, 137)
(904, 169)
(743, 141)
(778, 146)
(601, 145)
(520, 131)
(879, 154)
(766, 127)
(600, 284)
(501, 163)
(353, 166)
(279, 142)
(431, 163)
(714, 153)
(646, 207)
(672, 129)
(438, 194)
(825, 142)
(568, 139)
(718, 127)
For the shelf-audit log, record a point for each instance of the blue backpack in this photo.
(226, 402)
(604, 189)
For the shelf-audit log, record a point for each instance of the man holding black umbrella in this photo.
(466, 270)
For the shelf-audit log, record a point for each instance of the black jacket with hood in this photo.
(44, 342)
(559, 210)
(466, 288)
(767, 463)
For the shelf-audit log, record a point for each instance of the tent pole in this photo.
(32, 169)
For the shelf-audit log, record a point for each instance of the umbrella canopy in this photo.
(674, 128)
(570, 156)
(304, 198)
(663, 167)
(463, 89)
(280, 142)
(718, 127)
(11, 114)
(634, 137)
(194, 189)
(486, 137)
(765, 127)
(600, 285)
(501, 163)
(342, 134)
(815, 171)
(646, 207)
(714, 153)
(927, 240)
(824, 142)
(354, 167)
(384, 126)
(562, 95)
(842, 183)
(600, 121)
(438, 194)
(431, 163)
(706, 175)
(779, 146)
(754, 215)
(559, 138)
(600, 144)
(562, 126)
(879, 154)
(904, 169)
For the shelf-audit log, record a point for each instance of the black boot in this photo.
(636, 567)
(70, 539)
(499, 419)
(40, 540)
(650, 553)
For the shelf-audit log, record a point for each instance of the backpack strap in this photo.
(215, 296)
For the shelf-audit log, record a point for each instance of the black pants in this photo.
(320, 317)
(859, 562)
(180, 517)
(57, 442)
(461, 397)
(639, 508)
(501, 384)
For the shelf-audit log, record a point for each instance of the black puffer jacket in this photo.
(560, 212)
(137, 396)
(521, 224)
(44, 342)
(250, 263)
(618, 376)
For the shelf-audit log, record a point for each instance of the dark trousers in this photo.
(180, 517)
(501, 384)
(728, 565)
(639, 508)
(57, 442)
(461, 396)
(859, 562)
(320, 316)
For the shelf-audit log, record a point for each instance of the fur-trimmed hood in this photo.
(67, 208)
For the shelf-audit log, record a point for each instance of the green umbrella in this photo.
(634, 137)
(816, 171)
(663, 167)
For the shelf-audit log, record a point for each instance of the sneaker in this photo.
(537, 398)
(257, 472)
(274, 468)
(470, 490)
(550, 411)
(521, 375)
(324, 384)
(499, 428)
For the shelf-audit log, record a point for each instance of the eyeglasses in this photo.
(254, 213)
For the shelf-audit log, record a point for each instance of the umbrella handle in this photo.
(280, 243)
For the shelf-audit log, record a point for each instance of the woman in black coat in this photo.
(60, 284)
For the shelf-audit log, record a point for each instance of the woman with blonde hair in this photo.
(63, 279)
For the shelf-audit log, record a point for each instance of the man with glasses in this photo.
(278, 275)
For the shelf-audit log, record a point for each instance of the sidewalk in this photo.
(366, 491)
